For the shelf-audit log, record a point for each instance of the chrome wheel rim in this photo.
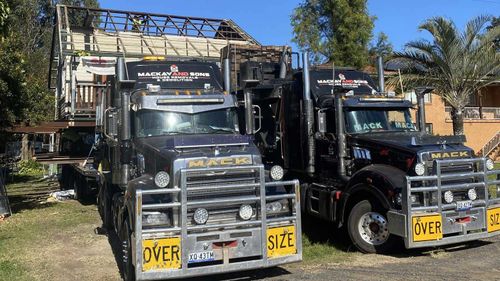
(372, 228)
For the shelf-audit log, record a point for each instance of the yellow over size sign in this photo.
(427, 228)
(161, 254)
(281, 241)
(493, 219)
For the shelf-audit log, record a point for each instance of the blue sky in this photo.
(269, 20)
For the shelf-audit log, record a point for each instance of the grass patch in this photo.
(314, 252)
(26, 235)
(323, 243)
(10, 270)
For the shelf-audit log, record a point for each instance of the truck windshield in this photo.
(150, 123)
(378, 120)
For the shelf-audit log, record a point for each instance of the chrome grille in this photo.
(216, 185)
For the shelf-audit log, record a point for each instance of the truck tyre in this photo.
(367, 228)
(77, 189)
(104, 206)
(127, 264)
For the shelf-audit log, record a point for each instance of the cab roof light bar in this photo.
(381, 100)
(185, 101)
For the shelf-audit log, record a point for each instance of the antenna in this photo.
(333, 77)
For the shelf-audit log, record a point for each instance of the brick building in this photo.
(481, 119)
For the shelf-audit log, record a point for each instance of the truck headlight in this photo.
(490, 165)
(162, 179)
(200, 216)
(154, 218)
(448, 197)
(246, 212)
(414, 199)
(419, 169)
(277, 207)
(277, 172)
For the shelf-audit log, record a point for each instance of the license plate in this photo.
(281, 241)
(161, 254)
(464, 205)
(201, 257)
(427, 228)
(493, 218)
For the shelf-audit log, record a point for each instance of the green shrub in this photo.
(30, 168)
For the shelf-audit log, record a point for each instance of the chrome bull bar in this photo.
(182, 229)
(401, 222)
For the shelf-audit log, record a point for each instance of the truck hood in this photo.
(415, 143)
(160, 152)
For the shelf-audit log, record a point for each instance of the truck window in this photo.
(378, 120)
(150, 123)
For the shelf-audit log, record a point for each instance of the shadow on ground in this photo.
(30, 195)
(257, 274)
(319, 231)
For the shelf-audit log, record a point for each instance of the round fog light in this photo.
(162, 179)
(472, 194)
(200, 216)
(246, 212)
(490, 164)
(419, 169)
(277, 173)
(448, 197)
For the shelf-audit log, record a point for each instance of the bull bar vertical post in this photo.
(263, 211)
(184, 254)
(137, 252)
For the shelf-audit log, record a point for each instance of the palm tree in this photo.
(457, 64)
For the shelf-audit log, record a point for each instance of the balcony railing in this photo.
(477, 113)
(82, 103)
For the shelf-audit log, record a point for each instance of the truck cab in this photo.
(366, 165)
(177, 177)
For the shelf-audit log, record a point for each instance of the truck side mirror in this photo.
(111, 123)
(321, 117)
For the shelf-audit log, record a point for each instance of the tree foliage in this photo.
(495, 22)
(456, 63)
(381, 47)
(26, 28)
(334, 30)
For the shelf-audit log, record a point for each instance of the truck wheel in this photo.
(77, 189)
(104, 206)
(127, 264)
(367, 227)
(79, 186)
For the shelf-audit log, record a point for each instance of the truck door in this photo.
(326, 147)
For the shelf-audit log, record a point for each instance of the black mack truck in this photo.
(364, 164)
(187, 193)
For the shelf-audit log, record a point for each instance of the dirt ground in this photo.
(34, 245)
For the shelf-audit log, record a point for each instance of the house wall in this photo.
(478, 132)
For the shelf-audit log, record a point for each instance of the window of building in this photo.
(428, 98)
(411, 96)
(428, 128)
